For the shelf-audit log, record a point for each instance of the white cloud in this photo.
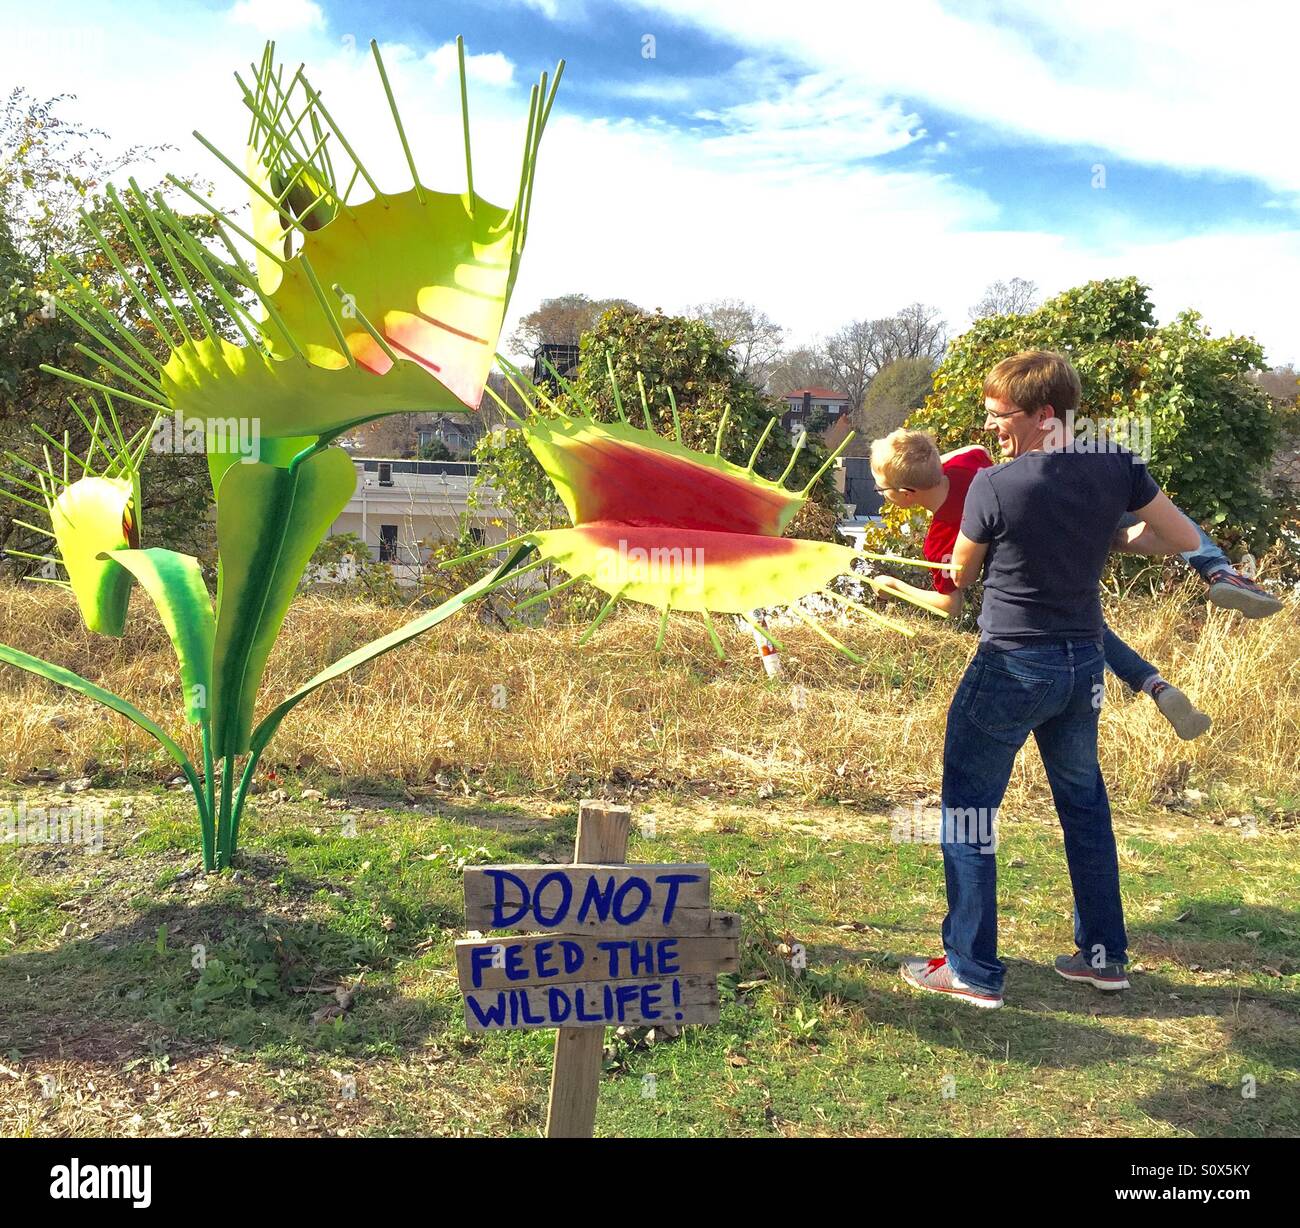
(677, 90)
(488, 68)
(567, 11)
(276, 17)
(755, 203)
(821, 120)
(1179, 83)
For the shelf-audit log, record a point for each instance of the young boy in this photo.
(909, 472)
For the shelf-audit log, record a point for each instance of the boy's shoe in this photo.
(1187, 719)
(1077, 968)
(937, 976)
(1231, 591)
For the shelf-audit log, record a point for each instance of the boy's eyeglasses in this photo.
(902, 490)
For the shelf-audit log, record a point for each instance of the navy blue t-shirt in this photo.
(1049, 519)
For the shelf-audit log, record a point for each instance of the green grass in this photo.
(99, 983)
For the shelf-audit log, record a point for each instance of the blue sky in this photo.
(825, 160)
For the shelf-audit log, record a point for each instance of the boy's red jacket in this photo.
(960, 469)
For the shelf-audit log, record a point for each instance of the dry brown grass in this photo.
(612, 712)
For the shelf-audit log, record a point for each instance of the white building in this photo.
(402, 509)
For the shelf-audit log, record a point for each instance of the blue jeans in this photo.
(1004, 696)
(1126, 664)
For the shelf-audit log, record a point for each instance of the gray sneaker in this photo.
(1077, 967)
(1187, 719)
(1231, 591)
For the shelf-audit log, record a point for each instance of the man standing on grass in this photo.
(1041, 527)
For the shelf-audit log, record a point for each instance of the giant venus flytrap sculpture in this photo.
(360, 309)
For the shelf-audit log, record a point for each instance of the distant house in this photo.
(457, 434)
(813, 409)
(404, 437)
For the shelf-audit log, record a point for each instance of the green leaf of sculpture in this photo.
(175, 582)
(269, 521)
(297, 396)
(376, 648)
(433, 272)
(75, 682)
(223, 452)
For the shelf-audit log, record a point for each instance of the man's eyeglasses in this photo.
(988, 413)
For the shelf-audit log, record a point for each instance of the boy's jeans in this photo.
(1127, 665)
(1055, 693)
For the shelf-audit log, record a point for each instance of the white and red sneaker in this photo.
(937, 976)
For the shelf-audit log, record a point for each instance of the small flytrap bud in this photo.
(659, 523)
(92, 503)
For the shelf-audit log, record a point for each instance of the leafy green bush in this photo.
(1212, 431)
(344, 562)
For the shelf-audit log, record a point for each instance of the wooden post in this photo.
(575, 1076)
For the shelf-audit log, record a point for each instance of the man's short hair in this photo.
(1033, 379)
(907, 459)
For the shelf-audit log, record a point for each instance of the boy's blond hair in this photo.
(1033, 379)
(907, 460)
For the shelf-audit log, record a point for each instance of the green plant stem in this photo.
(241, 796)
(204, 808)
(209, 797)
(224, 849)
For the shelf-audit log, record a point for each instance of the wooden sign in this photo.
(602, 944)
(645, 946)
(618, 900)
